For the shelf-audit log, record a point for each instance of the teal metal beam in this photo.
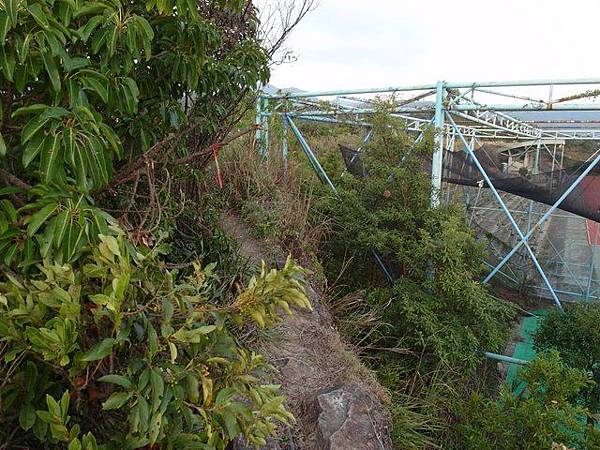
(524, 239)
(438, 146)
(431, 86)
(506, 211)
(506, 359)
(314, 161)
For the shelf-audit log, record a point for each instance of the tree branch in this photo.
(12, 180)
(188, 159)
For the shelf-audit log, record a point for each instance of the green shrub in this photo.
(576, 336)
(543, 415)
(129, 354)
(436, 308)
(436, 319)
(109, 107)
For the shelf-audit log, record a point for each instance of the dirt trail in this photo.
(312, 360)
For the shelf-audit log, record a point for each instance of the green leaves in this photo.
(35, 221)
(87, 77)
(2, 146)
(194, 335)
(87, 29)
(74, 140)
(99, 351)
(7, 62)
(546, 414)
(52, 71)
(39, 15)
(119, 380)
(154, 386)
(130, 93)
(27, 417)
(116, 400)
(54, 342)
(11, 11)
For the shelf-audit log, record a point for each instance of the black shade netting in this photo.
(513, 173)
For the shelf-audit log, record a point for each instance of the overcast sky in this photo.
(374, 43)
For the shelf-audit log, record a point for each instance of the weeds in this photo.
(274, 198)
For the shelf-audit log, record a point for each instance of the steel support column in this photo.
(314, 161)
(284, 141)
(438, 146)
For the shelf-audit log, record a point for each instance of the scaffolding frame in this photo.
(465, 113)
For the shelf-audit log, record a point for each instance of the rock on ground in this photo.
(350, 419)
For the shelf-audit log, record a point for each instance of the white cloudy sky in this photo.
(373, 43)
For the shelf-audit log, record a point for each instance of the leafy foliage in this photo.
(104, 344)
(437, 307)
(575, 335)
(86, 87)
(539, 417)
(436, 319)
(129, 341)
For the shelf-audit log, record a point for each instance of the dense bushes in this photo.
(436, 319)
(110, 107)
(576, 336)
(436, 308)
(542, 416)
(125, 341)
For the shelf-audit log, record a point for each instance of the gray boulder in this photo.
(349, 419)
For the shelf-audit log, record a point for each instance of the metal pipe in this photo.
(438, 147)
(530, 107)
(503, 94)
(544, 217)
(422, 87)
(506, 359)
(326, 119)
(284, 142)
(506, 211)
(310, 155)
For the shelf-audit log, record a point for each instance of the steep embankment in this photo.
(337, 401)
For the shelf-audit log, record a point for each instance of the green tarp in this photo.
(524, 348)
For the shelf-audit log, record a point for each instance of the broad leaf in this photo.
(101, 350)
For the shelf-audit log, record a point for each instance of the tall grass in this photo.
(274, 196)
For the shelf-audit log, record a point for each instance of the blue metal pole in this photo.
(325, 119)
(506, 211)
(258, 137)
(506, 359)
(265, 126)
(310, 154)
(438, 146)
(423, 87)
(545, 216)
(325, 178)
(284, 142)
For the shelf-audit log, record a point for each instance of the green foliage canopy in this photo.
(89, 86)
(543, 415)
(575, 334)
(101, 344)
(436, 308)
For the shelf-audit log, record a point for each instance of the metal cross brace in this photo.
(314, 161)
(545, 217)
(323, 176)
(506, 211)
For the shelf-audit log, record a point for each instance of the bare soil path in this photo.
(336, 400)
